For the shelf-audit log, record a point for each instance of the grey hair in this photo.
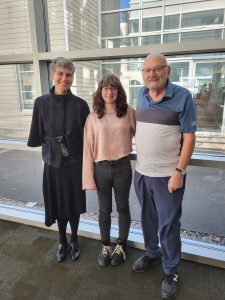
(62, 62)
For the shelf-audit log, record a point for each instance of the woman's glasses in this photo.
(107, 88)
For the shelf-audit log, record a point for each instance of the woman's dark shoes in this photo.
(75, 251)
(104, 256)
(144, 263)
(119, 254)
(61, 252)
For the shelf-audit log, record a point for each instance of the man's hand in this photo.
(175, 182)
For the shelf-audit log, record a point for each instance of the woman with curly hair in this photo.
(108, 134)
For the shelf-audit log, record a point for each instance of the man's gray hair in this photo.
(62, 62)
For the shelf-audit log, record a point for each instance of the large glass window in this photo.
(201, 35)
(120, 25)
(115, 24)
(151, 39)
(113, 5)
(120, 42)
(151, 3)
(107, 5)
(129, 73)
(202, 18)
(26, 84)
(151, 16)
(17, 94)
(133, 26)
(73, 25)
(171, 22)
(134, 88)
(180, 73)
(171, 38)
(151, 24)
(201, 74)
(210, 94)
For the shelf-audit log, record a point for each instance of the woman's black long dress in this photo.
(57, 123)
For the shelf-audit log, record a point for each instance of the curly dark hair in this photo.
(121, 101)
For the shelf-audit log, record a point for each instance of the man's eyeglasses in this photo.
(107, 88)
(157, 69)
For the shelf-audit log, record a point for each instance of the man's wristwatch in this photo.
(183, 172)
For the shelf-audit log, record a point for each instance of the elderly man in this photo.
(165, 140)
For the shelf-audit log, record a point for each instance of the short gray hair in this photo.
(62, 62)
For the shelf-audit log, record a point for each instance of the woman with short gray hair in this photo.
(57, 125)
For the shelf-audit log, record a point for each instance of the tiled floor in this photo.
(28, 270)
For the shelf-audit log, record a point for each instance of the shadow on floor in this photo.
(29, 271)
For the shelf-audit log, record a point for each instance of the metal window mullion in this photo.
(38, 41)
(223, 122)
(65, 23)
(34, 44)
(100, 35)
(99, 24)
(19, 88)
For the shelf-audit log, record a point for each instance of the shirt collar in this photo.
(52, 90)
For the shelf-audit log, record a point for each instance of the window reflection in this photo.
(112, 4)
(203, 75)
(180, 73)
(171, 22)
(151, 24)
(151, 39)
(151, 3)
(171, 38)
(120, 42)
(201, 35)
(118, 24)
(202, 18)
(185, 25)
(210, 94)
(73, 25)
(134, 26)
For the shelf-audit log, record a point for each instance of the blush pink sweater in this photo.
(108, 138)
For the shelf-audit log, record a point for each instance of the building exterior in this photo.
(103, 36)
